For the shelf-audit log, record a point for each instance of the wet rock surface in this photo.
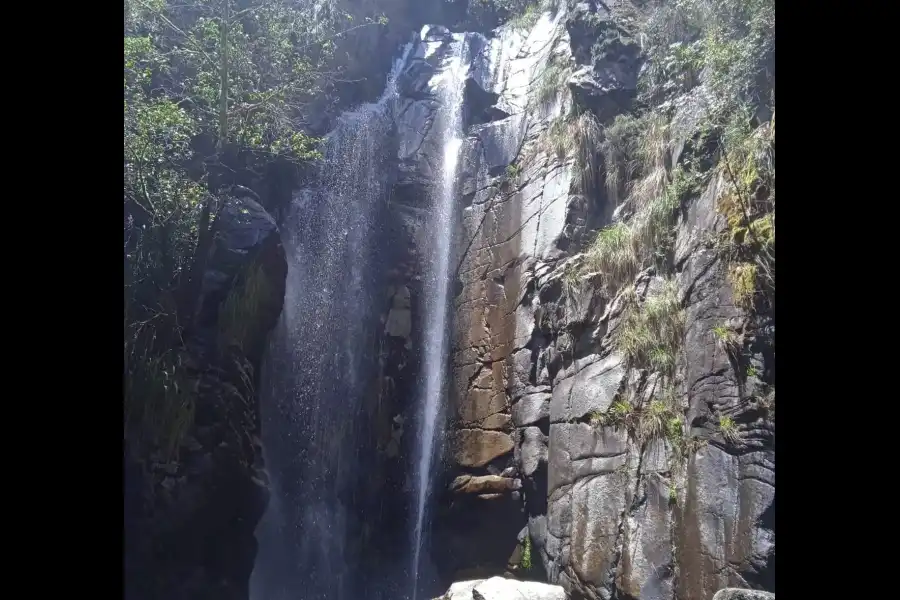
(533, 361)
(190, 517)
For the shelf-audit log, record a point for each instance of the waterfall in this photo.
(319, 366)
(448, 121)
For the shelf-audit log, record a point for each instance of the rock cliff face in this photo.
(189, 519)
(532, 467)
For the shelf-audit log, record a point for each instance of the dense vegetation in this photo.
(214, 91)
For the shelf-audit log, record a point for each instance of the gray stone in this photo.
(742, 594)
(728, 525)
(592, 389)
(532, 451)
(498, 588)
(597, 506)
(461, 590)
(531, 408)
(496, 421)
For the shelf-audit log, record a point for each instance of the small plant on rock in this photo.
(524, 14)
(650, 334)
(727, 339)
(728, 429)
(553, 78)
(615, 254)
(620, 413)
(596, 418)
(675, 431)
(767, 404)
(575, 136)
(654, 420)
(742, 277)
(525, 563)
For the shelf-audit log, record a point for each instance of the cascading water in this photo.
(317, 368)
(448, 121)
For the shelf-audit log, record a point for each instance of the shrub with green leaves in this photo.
(742, 277)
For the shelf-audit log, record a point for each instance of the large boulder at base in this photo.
(498, 588)
(742, 594)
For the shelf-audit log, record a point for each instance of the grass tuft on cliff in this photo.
(240, 313)
(553, 78)
(650, 333)
(158, 402)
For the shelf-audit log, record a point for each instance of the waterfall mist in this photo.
(448, 122)
(319, 366)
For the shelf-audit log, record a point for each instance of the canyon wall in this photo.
(533, 467)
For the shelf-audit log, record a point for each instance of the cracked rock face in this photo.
(533, 360)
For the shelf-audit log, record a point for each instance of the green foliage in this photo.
(619, 149)
(650, 333)
(575, 136)
(159, 405)
(615, 254)
(727, 339)
(525, 14)
(733, 41)
(553, 78)
(240, 313)
(526, 554)
(675, 431)
(621, 411)
(748, 201)
(654, 420)
(191, 72)
(620, 414)
(636, 149)
(520, 15)
(742, 277)
(751, 371)
(513, 170)
(673, 495)
(728, 429)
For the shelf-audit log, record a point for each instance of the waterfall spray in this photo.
(449, 120)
